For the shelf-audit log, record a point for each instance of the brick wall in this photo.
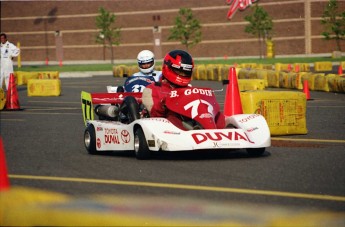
(33, 24)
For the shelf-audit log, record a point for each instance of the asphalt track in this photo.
(44, 150)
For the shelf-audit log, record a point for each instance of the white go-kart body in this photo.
(147, 135)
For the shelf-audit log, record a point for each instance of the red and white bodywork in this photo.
(243, 131)
(251, 132)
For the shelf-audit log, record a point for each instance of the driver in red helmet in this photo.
(177, 72)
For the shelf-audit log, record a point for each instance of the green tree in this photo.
(187, 29)
(334, 22)
(260, 25)
(108, 35)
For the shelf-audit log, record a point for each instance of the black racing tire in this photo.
(130, 108)
(256, 152)
(141, 148)
(90, 139)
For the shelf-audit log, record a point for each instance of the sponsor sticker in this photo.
(252, 129)
(219, 136)
(111, 136)
(125, 136)
(250, 117)
(171, 132)
(98, 142)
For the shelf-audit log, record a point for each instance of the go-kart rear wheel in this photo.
(141, 148)
(255, 151)
(90, 139)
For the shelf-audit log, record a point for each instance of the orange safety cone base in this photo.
(4, 182)
(12, 100)
(232, 103)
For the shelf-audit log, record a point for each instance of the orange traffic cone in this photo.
(4, 182)
(340, 70)
(12, 101)
(232, 103)
(306, 89)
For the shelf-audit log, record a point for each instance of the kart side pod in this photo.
(254, 125)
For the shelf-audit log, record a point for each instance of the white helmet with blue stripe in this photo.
(146, 61)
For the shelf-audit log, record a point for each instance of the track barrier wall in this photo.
(279, 75)
(323, 66)
(40, 83)
(23, 77)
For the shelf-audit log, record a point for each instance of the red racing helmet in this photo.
(178, 68)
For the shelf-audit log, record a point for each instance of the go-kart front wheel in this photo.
(255, 151)
(90, 139)
(141, 148)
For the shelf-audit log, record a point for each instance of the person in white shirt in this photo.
(146, 63)
(8, 51)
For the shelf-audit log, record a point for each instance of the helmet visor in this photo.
(146, 65)
(181, 72)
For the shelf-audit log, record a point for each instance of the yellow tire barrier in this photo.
(132, 69)
(224, 72)
(303, 67)
(243, 73)
(212, 73)
(201, 73)
(323, 66)
(283, 67)
(118, 70)
(273, 78)
(44, 87)
(251, 84)
(2, 99)
(284, 111)
(337, 84)
(48, 75)
(321, 82)
(284, 75)
(249, 65)
(264, 66)
(262, 74)
(23, 77)
(283, 80)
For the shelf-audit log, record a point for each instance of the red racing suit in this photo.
(154, 97)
